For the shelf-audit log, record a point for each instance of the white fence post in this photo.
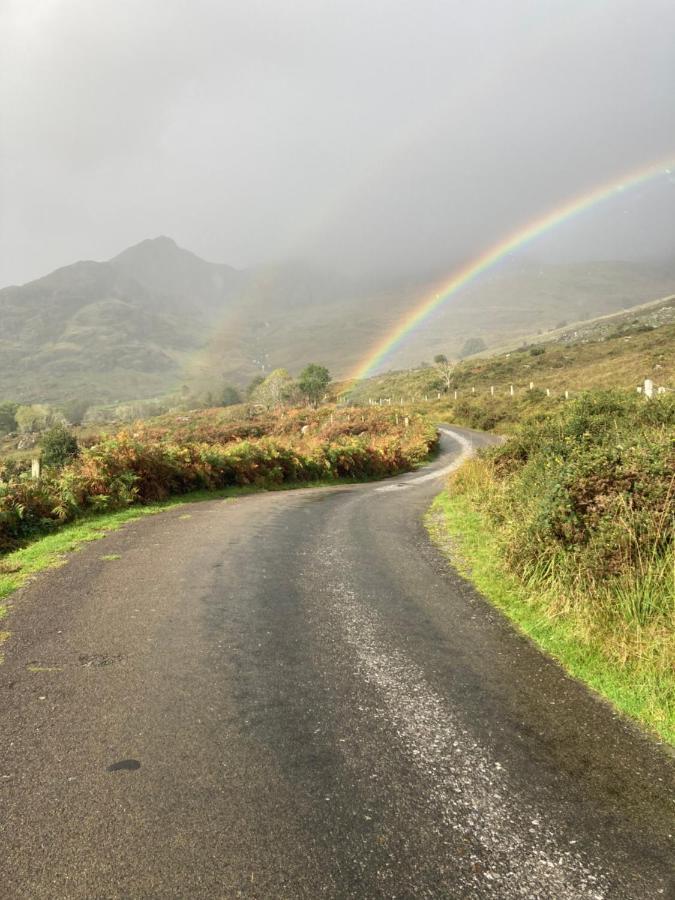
(35, 467)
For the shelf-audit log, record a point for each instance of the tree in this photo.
(36, 417)
(471, 346)
(278, 388)
(59, 446)
(229, 395)
(313, 381)
(7, 417)
(254, 385)
(74, 410)
(445, 368)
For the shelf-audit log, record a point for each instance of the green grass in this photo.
(639, 691)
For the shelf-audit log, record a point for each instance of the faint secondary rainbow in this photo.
(494, 254)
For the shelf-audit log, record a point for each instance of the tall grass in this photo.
(580, 506)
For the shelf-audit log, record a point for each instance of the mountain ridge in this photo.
(156, 316)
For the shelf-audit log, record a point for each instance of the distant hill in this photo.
(157, 316)
(620, 356)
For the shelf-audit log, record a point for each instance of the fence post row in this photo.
(647, 389)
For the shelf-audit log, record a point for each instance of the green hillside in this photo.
(630, 352)
(156, 317)
(109, 330)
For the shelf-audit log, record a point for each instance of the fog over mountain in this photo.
(156, 318)
(383, 138)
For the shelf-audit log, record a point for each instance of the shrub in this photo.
(8, 417)
(59, 446)
(152, 463)
(583, 497)
(471, 346)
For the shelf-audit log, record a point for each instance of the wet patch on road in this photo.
(124, 765)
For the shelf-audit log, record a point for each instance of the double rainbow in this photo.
(392, 340)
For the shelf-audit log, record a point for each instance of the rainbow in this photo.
(493, 255)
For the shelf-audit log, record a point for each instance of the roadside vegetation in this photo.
(206, 450)
(569, 526)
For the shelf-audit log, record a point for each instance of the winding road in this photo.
(293, 695)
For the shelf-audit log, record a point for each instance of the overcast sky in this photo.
(385, 134)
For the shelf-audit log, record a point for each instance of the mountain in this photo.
(176, 278)
(157, 316)
(110, 330)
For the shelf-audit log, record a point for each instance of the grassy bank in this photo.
(568, 527)
(621, 358)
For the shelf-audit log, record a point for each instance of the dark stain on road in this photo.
(124, 765)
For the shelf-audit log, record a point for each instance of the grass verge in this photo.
(644, 692)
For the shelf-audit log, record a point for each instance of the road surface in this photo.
(293, 695)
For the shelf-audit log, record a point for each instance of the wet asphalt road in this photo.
(315, 705)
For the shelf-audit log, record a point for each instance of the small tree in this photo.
(59, 446)
(278, 388)
(229, 395)
(75, 410)
(313, 381)
(254, 385)
(445, 368)
(7, 417)
(473, 345)
(36, 417)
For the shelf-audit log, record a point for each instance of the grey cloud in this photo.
(386, 136)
